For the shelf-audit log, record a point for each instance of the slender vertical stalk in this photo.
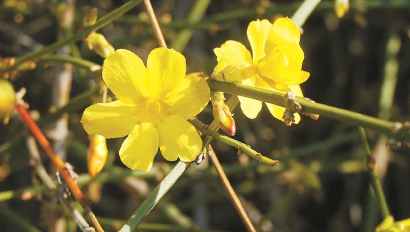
(194, 16)
(391, 68)
(154, 23)
(231, 192)
(154, 197)
(304, 11)
(374, 178)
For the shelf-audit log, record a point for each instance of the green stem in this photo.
(197, 12)
(304, 11)
(251, 13)
(114, 175)
(353, 118)
(77, 36)
(234, 143)
(374, 177)
(16, 221)
(110, 225)
(154, 197)
(76, 103)
(173, 213)
(73, 60)
(391, 68)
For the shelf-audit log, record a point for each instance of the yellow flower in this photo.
(389, 225)
(275, 63)
(153, 105)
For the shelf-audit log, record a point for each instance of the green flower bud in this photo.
(100, 45)
(91, 17)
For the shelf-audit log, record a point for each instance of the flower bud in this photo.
(7, 100)
(7, 62)
(96, 154)
(100, 45)
(222, 113)
(341, 7)
(28, 65)
(91, 17)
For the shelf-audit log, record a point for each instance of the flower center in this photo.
(153, 108)
(151, 111)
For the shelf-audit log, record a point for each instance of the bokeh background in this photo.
(322, 182)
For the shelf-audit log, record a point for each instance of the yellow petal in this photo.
(111, 120)
(124, 74)
(250, 107)
(283, 31)
(188, 98)
(165, 69)
(140, 147)
(178, 138)
(233, 53)
(296, 90)
(277, 112)
(387, 223)
(283, 65)
(258, 32)
(220, 66)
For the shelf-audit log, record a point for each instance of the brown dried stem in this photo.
(154, 23)
(231, 192)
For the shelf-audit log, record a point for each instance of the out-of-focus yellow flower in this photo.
(7, 100)
(341, 7)
(154, 104)
(275, 63)
(96, 154)
(389, 225)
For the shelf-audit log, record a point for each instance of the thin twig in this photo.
(79, 35)
(195, 15)
(374, 177)
(48, 181)
(304, 11)
(214, 126)
(58, 163)
(154, 23)
(242, 147)
(236, 202)
(38, 165)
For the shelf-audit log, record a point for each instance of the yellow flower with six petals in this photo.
(275, 63)
(153, 105)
